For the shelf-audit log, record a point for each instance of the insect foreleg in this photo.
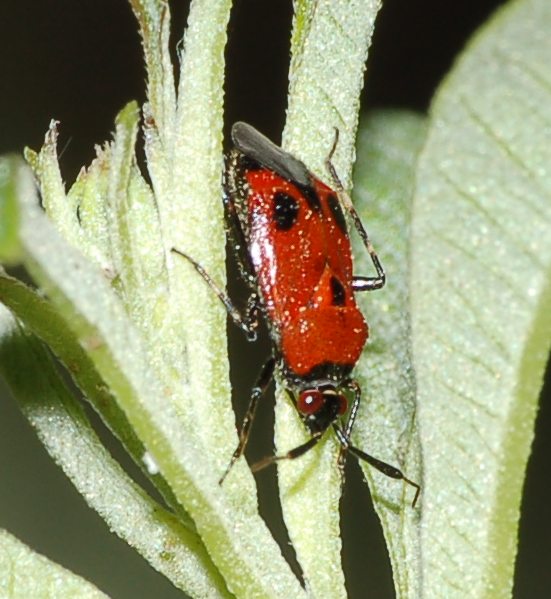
(257, 392)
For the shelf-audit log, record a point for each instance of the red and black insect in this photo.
(290, 235)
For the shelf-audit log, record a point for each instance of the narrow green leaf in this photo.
(24, 573)
(329, 43)
(154, 19)
(46, 168)
(120, 172)
(185, 163)
(386, 427)
(88, 196)
(46, 322)
(119, 220)
(481, 298)
(329, 52)
(62, 426)
(9, 213)
(191, 212)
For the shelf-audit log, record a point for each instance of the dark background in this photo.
(80, 63)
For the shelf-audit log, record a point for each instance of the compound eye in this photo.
(343, 404)
(310, 402)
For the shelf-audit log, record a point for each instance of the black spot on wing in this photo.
(285, 211)
(311, 197)
(337, 292)
(336, 211)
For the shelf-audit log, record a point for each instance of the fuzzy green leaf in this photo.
(154, 19)
(63, 427)
(481, 298)
(24, 573)
(329, 44)
(328, 38)
(46, 168)
(47, 323)
(184, 162)
(388, 146)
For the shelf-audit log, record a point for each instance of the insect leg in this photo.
(257, 392)
(290, 455)
(248, 322)
(358, 283)
(381, 466)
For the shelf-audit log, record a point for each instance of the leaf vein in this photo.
(500, 143)
(517, 294)
(491, 218)
(467, 399)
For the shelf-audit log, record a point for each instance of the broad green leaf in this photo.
(329, 44)
(386, 427)
(481, 298)
(63, 427)
(24, 573)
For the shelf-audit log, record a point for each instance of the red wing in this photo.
(299, 246)
(301, 255)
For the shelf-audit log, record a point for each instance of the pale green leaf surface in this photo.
(388, 146)
(10, 249)
(48, 324)
(120, 172)
(24, 573)
(64, 430)
(191, 212)
(329, 49)
(184, 162)
(481, 298)
(120, 223)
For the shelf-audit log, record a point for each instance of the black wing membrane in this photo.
(258, 147)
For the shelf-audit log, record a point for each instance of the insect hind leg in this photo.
(358, 283)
